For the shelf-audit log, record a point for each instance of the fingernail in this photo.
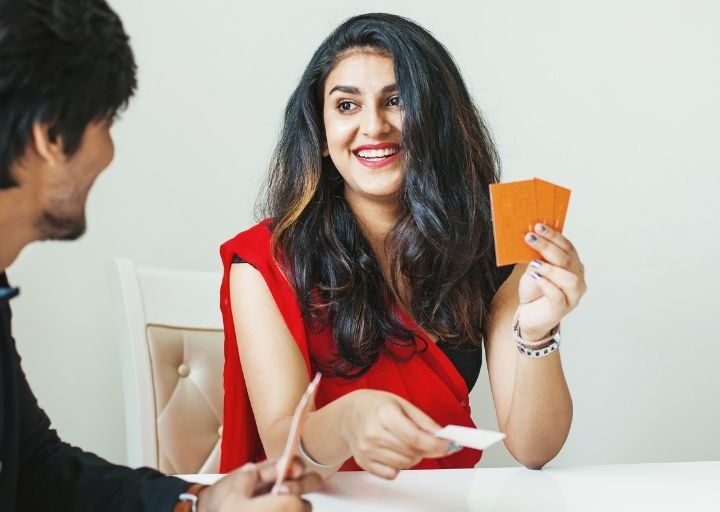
(535, 264)
(535, 275)
(283, 489)
(540, 228)
(453, 447)
(531, 238)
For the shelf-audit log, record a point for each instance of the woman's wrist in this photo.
(332, 417)
(535, 347)
(535, 336)
(347, 410)
(313, 463)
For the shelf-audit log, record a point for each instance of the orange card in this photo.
(514, 212)
(307, 402)
(562, 199)
(516, 208)
(545, 202)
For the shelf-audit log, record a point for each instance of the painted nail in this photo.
(535, 264)
(453, 447)
(535, 275)
(531, 238)
(540, 228)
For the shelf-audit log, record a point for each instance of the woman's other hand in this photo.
(386, 433)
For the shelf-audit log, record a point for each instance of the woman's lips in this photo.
(376, 163)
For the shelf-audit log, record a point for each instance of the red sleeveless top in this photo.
(428, 379)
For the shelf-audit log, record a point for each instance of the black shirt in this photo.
(40, 472)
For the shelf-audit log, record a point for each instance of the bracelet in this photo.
(310, 459)
(187, 501)
(553, 335)
(540, 352)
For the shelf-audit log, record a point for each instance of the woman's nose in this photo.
(374, 123)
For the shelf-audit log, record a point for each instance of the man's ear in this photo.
(48, 148)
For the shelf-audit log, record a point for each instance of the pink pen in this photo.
(293, 441)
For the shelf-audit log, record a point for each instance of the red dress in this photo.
(428, 380)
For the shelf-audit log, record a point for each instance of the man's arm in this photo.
(56, 476)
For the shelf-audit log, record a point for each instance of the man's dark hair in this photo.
(62, 62)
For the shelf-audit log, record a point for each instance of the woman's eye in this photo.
(346, 106)
(395, 101)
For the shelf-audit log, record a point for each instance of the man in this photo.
(66, 68)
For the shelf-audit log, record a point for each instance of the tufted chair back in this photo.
(172, 343)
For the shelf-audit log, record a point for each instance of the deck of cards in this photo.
(516, 208)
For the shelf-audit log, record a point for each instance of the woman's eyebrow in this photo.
(347, 89)
(350, 89)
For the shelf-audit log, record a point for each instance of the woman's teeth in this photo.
(377, 153)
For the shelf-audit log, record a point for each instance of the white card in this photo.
(470, 437)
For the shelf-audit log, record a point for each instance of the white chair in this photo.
(172, 344)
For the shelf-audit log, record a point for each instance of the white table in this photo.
(677, 487)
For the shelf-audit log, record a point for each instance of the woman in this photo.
(375, 266)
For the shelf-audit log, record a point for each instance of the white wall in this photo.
(617, 100)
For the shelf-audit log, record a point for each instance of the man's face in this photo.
(67, 184)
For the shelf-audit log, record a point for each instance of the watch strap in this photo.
(187, 501)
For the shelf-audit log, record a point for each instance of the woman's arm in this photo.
(382, 431)
(275, 372)
(532, 400)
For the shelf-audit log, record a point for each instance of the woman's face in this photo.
(363, 112)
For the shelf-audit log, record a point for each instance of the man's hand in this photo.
(246, 488)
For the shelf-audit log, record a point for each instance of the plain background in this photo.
(617, 100)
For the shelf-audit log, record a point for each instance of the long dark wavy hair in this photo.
(442, 240)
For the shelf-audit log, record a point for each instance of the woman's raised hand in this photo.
(552, 287)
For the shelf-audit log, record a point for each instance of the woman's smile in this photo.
(377, 155)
